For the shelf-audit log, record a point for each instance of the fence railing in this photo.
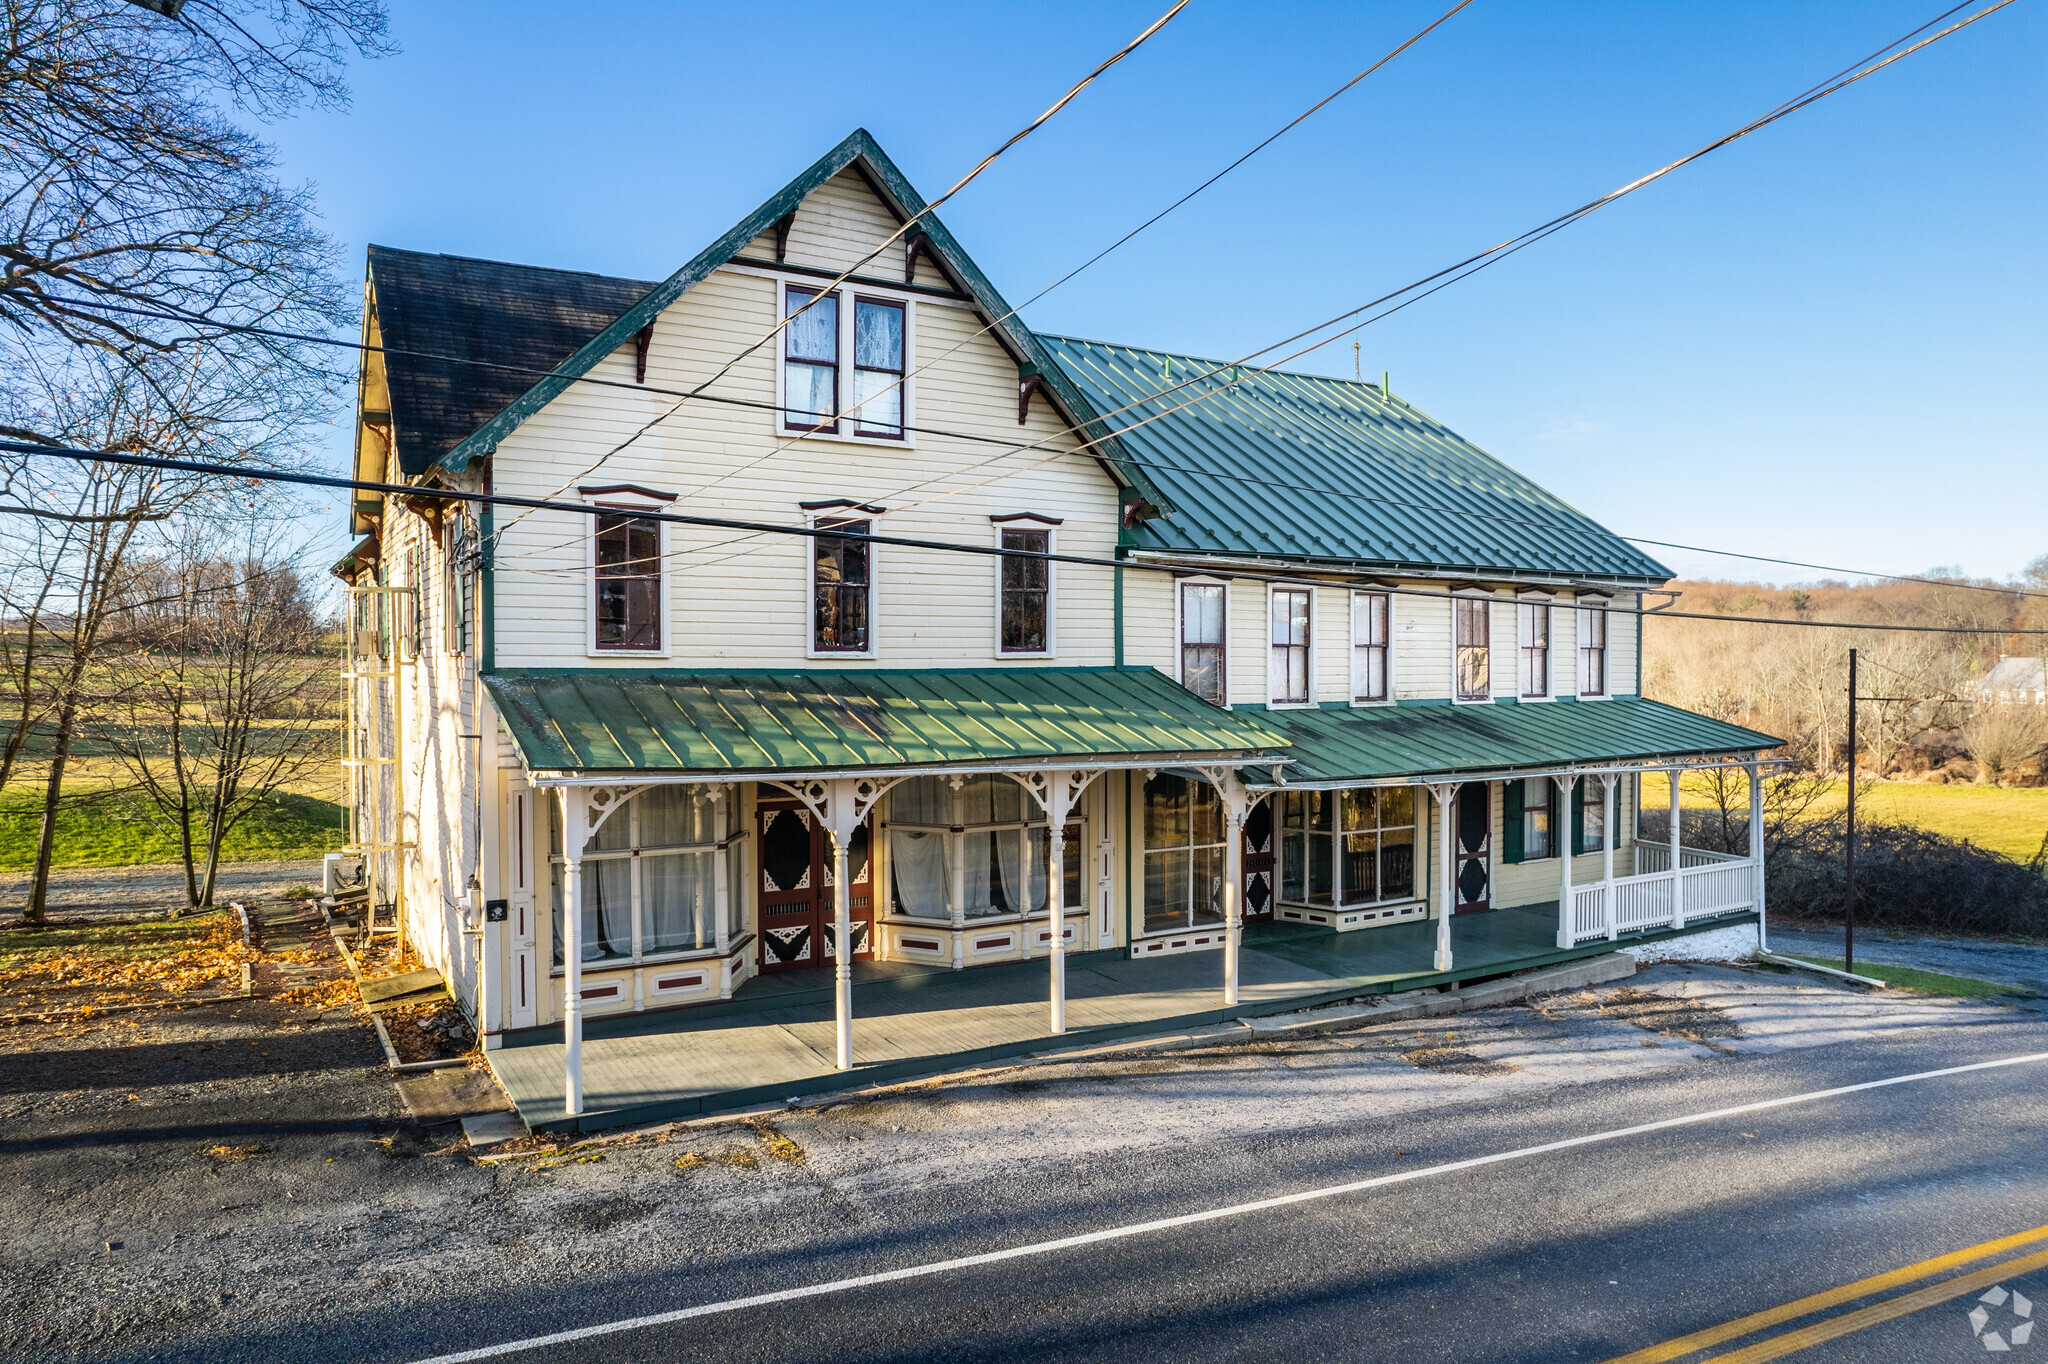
(1656, 857)
(1718, 884)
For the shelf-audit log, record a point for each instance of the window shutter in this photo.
(1578, 815)
(1511, 821)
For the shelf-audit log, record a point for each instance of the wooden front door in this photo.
(1258, 861)
(795, 869)
(1475, 848)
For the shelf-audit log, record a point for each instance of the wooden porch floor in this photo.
(774, 1039)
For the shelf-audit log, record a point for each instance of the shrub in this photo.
(1907, 878)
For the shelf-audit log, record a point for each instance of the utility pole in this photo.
(1849, 850)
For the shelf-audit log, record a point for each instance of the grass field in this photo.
(1924, 982)
(99, 826)
(2005, 821)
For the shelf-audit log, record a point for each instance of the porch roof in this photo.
(732, 724)
(1344, 743)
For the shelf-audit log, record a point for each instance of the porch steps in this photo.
(1431, 1003)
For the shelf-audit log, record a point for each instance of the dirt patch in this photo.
(779, 1146)
(1688, 1019)
(602, 1214)
(1456, 1060)
(428, 1032)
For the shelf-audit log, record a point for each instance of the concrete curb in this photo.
(1868, 982)
(1490, 994)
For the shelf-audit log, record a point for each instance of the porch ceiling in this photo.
(732, 724)
(1344, 743)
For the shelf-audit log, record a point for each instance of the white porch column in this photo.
(1566, 847)
(571, 910)
(956, 889)
(1609, 837)
(1237, 804)
(840, 804)
(1756, 847)
(1447, 896)
(1677, 867)
(1057, 792)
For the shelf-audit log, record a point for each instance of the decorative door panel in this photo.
(1258, 861)
(1474, 848)
(795, 889)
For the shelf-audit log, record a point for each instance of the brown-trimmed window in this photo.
(810, 361)
(1593, 650)
(878, 367)
(1201, 640)
(628, 582)
(1369, 645)
(1474, 623)
(1532, 635)
(1027, 592)
(842, 584)
(1289, 668)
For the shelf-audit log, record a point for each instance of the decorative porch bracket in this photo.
(584, 811)
(840, 804)
(1057, 791)
(1447, 895)
(1237, 804)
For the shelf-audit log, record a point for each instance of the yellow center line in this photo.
(1890, 1309)
(1834, 1297)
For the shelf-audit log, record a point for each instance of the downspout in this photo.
(1117, 598)
(488, 612)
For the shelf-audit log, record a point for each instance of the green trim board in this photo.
(735, 724)
(859, 150)
(1244, 469)
(1340, 743)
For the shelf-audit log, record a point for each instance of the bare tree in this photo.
(219, 701)
(2001, 739)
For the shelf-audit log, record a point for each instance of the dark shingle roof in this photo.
(517, 315)
(1245, 469)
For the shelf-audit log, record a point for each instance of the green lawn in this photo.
(1925, 982)
(2009, 821)
(99, 830)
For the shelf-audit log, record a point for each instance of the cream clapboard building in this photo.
(862, 588)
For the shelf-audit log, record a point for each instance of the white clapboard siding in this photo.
(1333, 644)
(741, 599)
(1564, 647)
(1150, 620)
(1250, 641)
(841, 223)
(1623, 632)
(1422, 647)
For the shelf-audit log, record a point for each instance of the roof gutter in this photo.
(1692, 763)
(1198, 561)
(554, 777)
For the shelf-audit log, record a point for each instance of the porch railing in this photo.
(1656, 857)
(1718, 884)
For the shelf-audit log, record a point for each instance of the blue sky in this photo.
(1824, 342)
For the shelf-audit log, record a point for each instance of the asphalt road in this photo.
(1579, 1254)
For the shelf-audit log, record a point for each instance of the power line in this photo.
(813, 533)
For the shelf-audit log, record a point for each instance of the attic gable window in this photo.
(878, 367)
(810, 364)
(845, 364)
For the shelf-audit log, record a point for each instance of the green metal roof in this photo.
(735, 723)
(1241, 472)
(860, 150)
(1344, 743)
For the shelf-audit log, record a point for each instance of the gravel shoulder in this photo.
(90, 892)
(263, 1185)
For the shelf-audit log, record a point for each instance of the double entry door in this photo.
(795, 870)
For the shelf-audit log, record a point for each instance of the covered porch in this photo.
(776, 1038)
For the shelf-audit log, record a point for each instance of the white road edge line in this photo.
(1191, 1219)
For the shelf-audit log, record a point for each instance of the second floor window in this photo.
(841, 584)
(1201, 640)
(1473, 622)
(628, 585)
(810, 364)
(1369, 650)
(1289, 670)
(1532, 628)
(1593, 650)
(458, 553)
(1027, 593)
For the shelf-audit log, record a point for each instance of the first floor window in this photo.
(840, 586)
(1201, 640)
(1529, 818)
(810, 361)
(1004, 851)
(1593, 650)
(628, 604)
(1346, 848)
(1532, 625)
(1473, 622)
(1592, 810)
(1027, 592)
(1369, 649)
(1289, 668)
(649, 878)
(1183, 854)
